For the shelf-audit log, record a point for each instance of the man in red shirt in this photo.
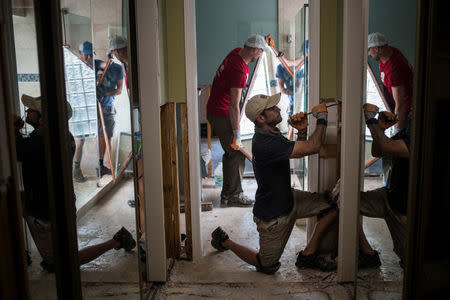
(223, 114)
(396, 74)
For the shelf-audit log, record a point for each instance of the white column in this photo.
(149, 94)
(355, 14)
(190, 43)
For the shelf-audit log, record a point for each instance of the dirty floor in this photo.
(114, 275)
(217, 275)
(222, 275)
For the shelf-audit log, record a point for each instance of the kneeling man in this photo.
(277, 205)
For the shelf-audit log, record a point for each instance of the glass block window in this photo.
(80, 90)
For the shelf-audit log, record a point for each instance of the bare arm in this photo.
(234, 107)
(282, 88)
(398, 93)
(312, 145)
(118, 90)
(384, 146)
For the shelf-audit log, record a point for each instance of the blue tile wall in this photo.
(28, 77)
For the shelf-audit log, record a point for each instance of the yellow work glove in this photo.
(236, 145)
(386, 119)
(370, 111)
(300, 122)
(320, 112)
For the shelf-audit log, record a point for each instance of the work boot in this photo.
(102, 170)
(366, 260)
(240, 201)
(78, 175)
(218, 237)
(125, 239)
(314, 261)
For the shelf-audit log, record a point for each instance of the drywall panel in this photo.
(175, 52)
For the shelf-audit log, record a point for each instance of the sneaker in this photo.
(314, 261)
(218, 237)
(103, 171)
(78, 175)
(125, 239)
(369, 260)
(48, 267)
(240, 201)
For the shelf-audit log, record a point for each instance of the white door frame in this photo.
(149, 93)
(355, 26)
(190, 46)
(314, 85)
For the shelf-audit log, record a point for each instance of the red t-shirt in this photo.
(397, 72)
(232, 73)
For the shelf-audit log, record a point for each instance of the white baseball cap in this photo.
(376, 39)
(117, 42)
(257, 104)
(256, 41)
(35, 103)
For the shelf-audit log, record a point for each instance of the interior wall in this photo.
(330, 43)
(225, 25)
(176, 65)
(162, 49)
(397, 21)
(26, 57)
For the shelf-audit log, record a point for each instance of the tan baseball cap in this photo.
(35, 103)
(257, 104)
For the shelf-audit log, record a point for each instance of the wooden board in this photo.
(186, 179)
(170, 180)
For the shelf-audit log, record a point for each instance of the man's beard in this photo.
(275, 122)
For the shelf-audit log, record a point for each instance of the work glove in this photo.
(300, 122)
(320, 112)
(370, 111)
(386, 119)
(236, 145)
(18, 122)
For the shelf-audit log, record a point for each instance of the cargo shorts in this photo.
(109, 113)
(375, 204)
(274, 234)
(42, 236)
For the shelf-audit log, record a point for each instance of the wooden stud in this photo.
(186, 179)
(170, 180)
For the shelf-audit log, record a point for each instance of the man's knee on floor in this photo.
(267, 268)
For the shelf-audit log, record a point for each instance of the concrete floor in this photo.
(223, 275)
(114, 275)
(217, 275)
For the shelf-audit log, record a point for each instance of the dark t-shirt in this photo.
(113, 74)
(31, 153)
(271, 153)
(397, 183)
